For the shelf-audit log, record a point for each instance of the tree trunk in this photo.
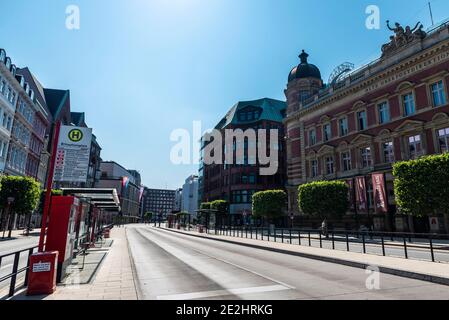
(12, 218)
(411, 225)
(446, 222)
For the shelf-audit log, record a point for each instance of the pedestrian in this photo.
(324, 228)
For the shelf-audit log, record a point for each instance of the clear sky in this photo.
(142, 68)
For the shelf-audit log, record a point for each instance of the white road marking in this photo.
(232, 264)
(218, 293)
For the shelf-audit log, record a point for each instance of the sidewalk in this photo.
(416, 269)
(113, 280)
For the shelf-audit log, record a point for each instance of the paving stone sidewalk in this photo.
(114, 280)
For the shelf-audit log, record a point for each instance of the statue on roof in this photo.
(402, 36)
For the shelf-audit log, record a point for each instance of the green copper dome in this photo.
(304, 69)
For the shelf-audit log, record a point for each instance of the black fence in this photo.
(406, 245)
(16, 269)
(21, 263)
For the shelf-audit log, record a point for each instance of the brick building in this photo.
(396, 108)
(236, 183)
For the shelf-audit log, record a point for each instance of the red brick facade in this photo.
(419, 72)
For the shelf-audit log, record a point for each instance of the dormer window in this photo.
(2, 55)
(8, 63)
(249, 114)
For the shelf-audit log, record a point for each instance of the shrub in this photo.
(205, 206)
(422, 186)
(269, 204)
(221, 206)
(325, 199)
(25, 190)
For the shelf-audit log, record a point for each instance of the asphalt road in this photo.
(9, 246)
(416, 250)
(172, 266)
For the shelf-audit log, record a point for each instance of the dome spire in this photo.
(303, 56)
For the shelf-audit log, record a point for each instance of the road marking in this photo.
(230, 263)
(218, 293)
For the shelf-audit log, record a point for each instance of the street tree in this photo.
(269, 204)
(148, 216)
(18, 195)
(324, 199)
(220, 206)
(422, 186)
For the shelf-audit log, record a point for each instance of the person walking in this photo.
(324, 229)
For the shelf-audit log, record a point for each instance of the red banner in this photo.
(350, 184)
(380, 193)
(360, 194)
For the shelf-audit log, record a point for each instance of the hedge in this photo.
(324, 199)
(269, 204)
(422, 186)
(221, 206)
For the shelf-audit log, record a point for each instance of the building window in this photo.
(3, 147)
(314, 168)
(312, 137)
(2, 87)
(329, 165)
(361, 120)
(343, 124)
(346, 161)
(9, 123)
(365, 157)
(327, 134)
(384, 112)
(438, 95)
(415, 146)
(408, 104)
(388, 152)
(249, 115)
(443, 139)
(242, 196)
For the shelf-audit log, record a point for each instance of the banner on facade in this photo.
(73, 154)
(360, 187)
(350, 184)
(380, 193)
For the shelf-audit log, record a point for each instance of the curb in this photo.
(139, 294)
(360, 265)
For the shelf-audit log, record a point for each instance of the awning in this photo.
(106, 199)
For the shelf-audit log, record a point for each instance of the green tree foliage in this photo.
(422, 186)
(324, 199)
(221, 206)
(205, 206)
(54, 192)
(25, 190)
(269, 204)
(148, 215)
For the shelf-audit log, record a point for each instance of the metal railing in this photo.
(15, 268)
(407, 245)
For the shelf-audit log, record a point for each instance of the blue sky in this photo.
(142, 68)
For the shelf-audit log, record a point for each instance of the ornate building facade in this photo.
(396, 108)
